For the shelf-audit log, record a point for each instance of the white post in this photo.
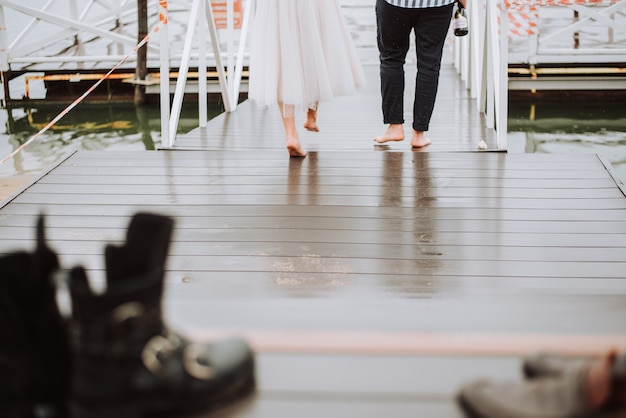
(166, 141)
(4, 42)
(183, 69)
(217, 52)
(503, 111)
(230, 41)
(4, 57)
(248, 10)
(202, 65)
(491, 33)
(484, 62)
(475, 11)
(465, 61)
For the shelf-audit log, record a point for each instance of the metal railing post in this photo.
(164, 76)
(477, 30)
(4, 59)
(249, 8)
(502, 101)
(228, 105)
(183, 70)
(202, 67)
(4, 42)
(230, 42)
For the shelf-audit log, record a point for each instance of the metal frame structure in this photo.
(482, 58)
(96, 18)
(603, 18)
(201, 23)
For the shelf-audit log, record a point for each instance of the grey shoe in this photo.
(544, 365)
(551, 365)
(562, 397)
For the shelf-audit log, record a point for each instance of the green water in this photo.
(87, 127)
(597, 127)
(551, 127)
(566, 127)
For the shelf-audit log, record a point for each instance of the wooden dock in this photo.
(371, 280)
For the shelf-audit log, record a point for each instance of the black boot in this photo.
(127, 363)
(34, 353)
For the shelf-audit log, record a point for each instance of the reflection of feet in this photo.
(311, 126)
(419, 140)
(294, 149)
(394, 133)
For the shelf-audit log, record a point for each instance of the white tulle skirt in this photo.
(301, 53)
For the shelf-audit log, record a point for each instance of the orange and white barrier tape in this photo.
(524, 15)
(523, 22)
(162, 21)
(524, 4)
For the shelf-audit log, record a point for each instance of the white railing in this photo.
(596, 28)
(59, 25)
(201, 23)
(481, 58)
(579, 31)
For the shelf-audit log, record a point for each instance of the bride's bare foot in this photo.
(294, 149)
(310, 124)
(419, 140)
(394, 132)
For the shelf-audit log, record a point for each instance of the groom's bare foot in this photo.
(394, 132)
(419, 140)
(294, 149)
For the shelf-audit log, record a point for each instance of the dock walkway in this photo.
(372, 281)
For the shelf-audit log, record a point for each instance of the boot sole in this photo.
(242, 386)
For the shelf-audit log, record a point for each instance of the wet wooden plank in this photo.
(338, 190)
(437, 243)
(350, 123)
(341, 307)
(365, 386)
(67, 223)
(261, 211)
(464, 182)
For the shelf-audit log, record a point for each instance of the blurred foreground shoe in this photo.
(542, 365)
(34, 353)
(541, 398)
(127, 363)
(563, 394)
